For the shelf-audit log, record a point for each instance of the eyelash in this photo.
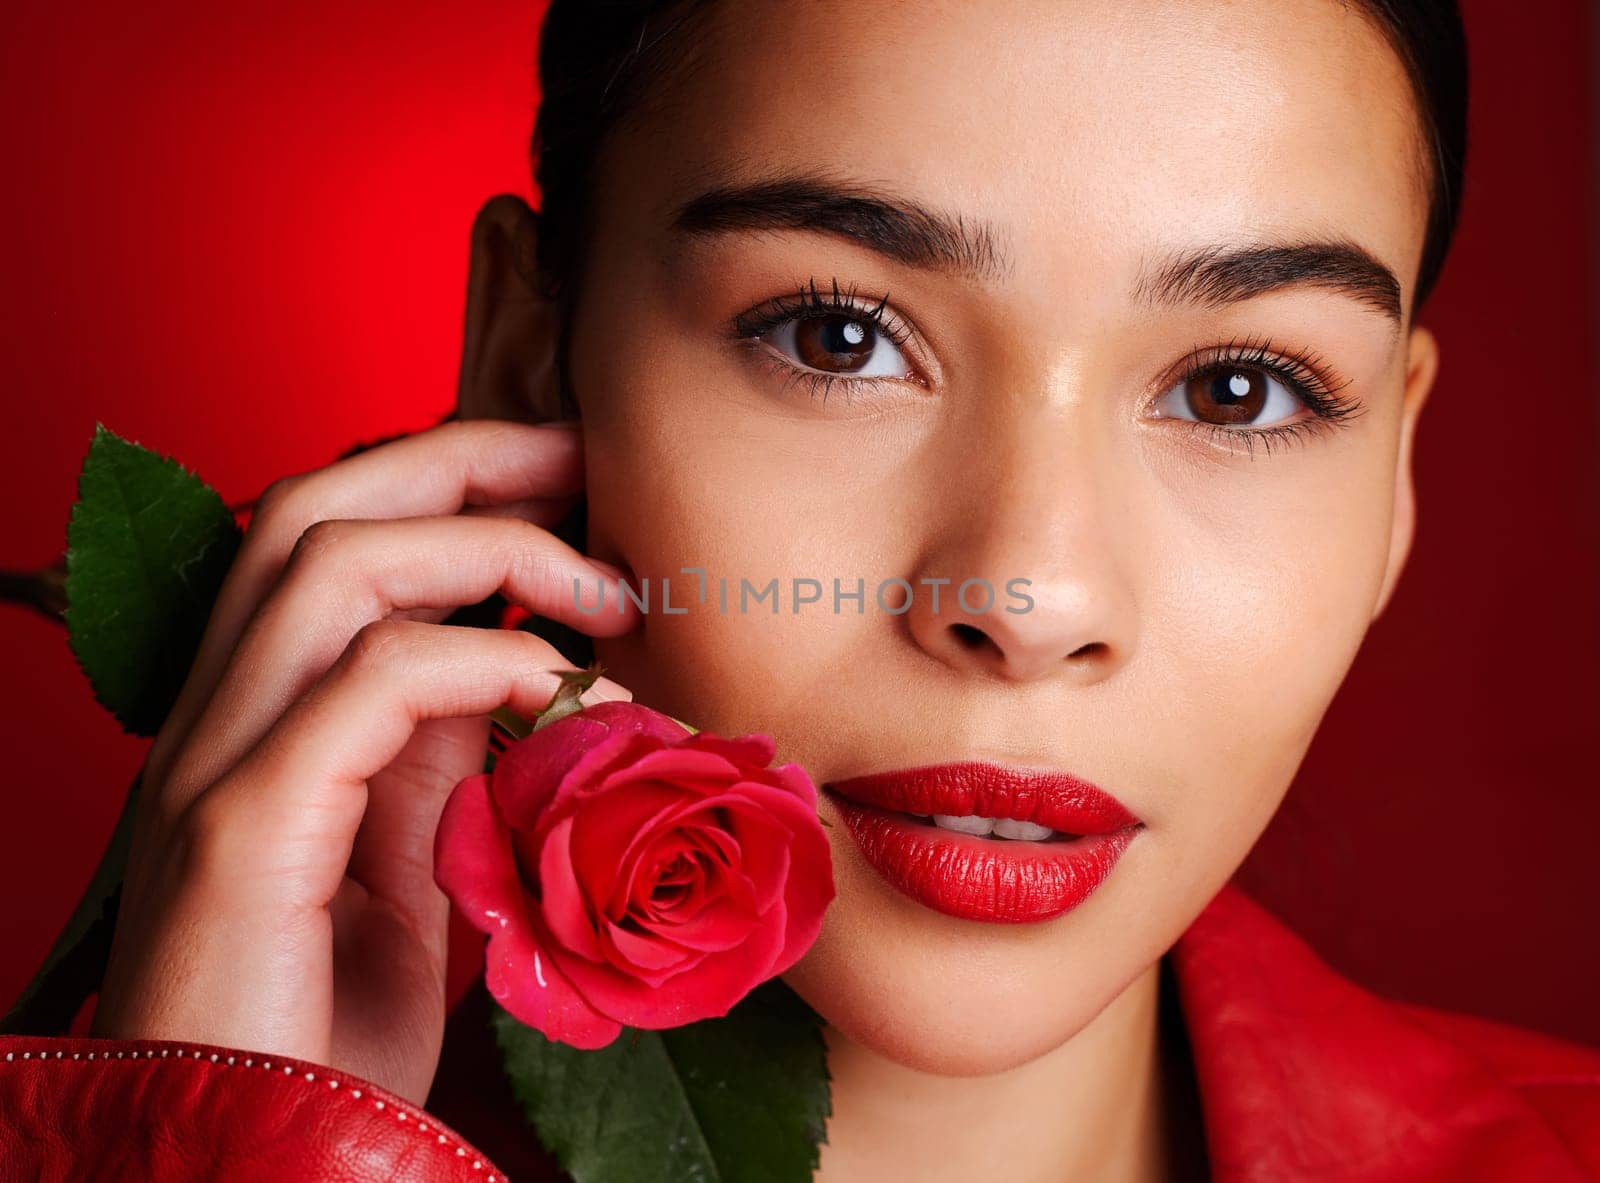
(1305, 373)
(808, 302)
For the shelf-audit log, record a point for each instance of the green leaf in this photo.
(147, 547)
(745, 1096)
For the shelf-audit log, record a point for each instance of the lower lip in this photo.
(999, 880)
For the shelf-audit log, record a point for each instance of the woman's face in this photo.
(1074, 383)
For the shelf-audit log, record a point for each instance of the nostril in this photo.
(970, 636)
(1092, 649)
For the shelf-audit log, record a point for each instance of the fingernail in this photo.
(605, 690)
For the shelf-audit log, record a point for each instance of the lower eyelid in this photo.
(1245, 440)
(819, 385)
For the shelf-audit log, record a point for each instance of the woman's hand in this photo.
(280, 894)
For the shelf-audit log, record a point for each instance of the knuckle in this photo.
(530, 647)
(456, 429)
(543, 574)
(322, 542)
(481, 438)
(531, 546)
(529, 542)
(202, 835)
(377, 644)
(454, 435)
(524, 544)
(275, 498)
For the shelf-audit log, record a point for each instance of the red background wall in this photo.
(238, 234)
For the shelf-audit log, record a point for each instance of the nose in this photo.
(1029, 572)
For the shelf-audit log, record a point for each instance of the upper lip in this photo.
(1047, 798)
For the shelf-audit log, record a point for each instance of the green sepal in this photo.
(513, 724)
(566, 699)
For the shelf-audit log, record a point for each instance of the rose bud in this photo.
(630, 873)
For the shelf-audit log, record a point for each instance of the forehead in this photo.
(1089, 133)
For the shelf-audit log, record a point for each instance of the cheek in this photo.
(1266, 588)
(755, 512)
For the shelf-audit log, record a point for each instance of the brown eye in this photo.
(835, 344)
(1226, 395)
(839, 343)
(1229, 394)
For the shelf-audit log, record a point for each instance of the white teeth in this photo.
(1003, 827)
(969, 824)
(1007, 827)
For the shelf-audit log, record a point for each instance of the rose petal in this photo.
(675, 859)
(810, 887)
(619, 751)
(562, 905)
(673, 903)
(611, 827)
(718, 916)
(472, 857)
(763, 837)
(720, 924)
(708, 990)
(535, 991)
(645, 952)
(473, 865)
(690, 770)
(631, 718)
(528, 772)
(743, 751)
(631, 731)
(716, 845)
(689, 775)
(795, 780)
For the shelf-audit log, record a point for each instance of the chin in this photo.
(946, 996)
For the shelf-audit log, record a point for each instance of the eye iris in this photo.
(835, 343)
(1226, 396)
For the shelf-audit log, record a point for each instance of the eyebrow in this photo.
(911, 233)
(1217, 275)
(891, 225)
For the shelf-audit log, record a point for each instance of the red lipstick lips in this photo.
(1001, 880)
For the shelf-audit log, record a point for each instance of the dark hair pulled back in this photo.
(599, 58)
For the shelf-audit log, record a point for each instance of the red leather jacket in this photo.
(1302, 1075)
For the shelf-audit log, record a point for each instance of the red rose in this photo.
(631, 873)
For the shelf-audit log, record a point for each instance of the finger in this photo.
(344, 575)
(287, 815)
(439, 471)
(546, 512)
(543, 512)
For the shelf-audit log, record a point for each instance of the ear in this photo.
(1422, 364)
(509, 349)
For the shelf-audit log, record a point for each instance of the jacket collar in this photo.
(1303, 1074)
